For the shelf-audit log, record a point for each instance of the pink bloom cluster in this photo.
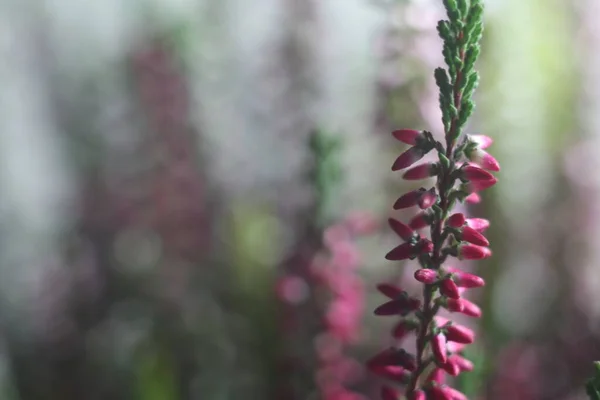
(439, 341)
(344, 310)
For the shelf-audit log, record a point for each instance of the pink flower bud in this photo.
(417, 395)
(420, 221)
(427, 199)
(454, 305)
(473, 252)
(437, 376)
(478, 186)
(476, 174)
(422, 171)
(400, 229)
(402, 252)
(425, 246)
(408, 158)
(470, 235)
(427, 276)
(479, 224)
(473, 198)
(482, 141)
(456, 220)
(455, 394)
(409, 199)
(464, 279)
(408, 136)
(462, 363)
(438, 347)
(400, 306)
(460, 334)
(448, 288)
(451, 368)
(439, 393)
(483, 159)
(387, 393)
(464, 306)
(389, 290)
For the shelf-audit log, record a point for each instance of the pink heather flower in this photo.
(448, 288)
(402, 230)
(482, 141)
(387, 393)
(400, 306)
(438, 346)
(476, 174)
(335, 234)
(425, 246)
(478, 186)
(462, 363)
(473, 198)
(479, 224)
(464, 306)
(422, 171)
(418, 395)
(408, 158)
(389, 290)
(420, 221)
(451, 368)
(455, 394)
(437, 376)
(456, 220)
(454, 305)
(402, 252)
(471, 235)
(483, 159)
(408, 136)
(473, 252)
(464, 279)
(409, 199)
(459, 334)
(439, 393)
(427, 276)
(427, 199)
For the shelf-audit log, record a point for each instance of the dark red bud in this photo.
(408, 136)
(402, 230)
(448, 288)
(456, 220)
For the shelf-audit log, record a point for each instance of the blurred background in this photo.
(193, 195)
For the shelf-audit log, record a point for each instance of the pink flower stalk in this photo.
(463, 170)
(344, 310)
(408, 136)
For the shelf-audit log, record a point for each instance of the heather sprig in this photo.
(463, 169)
